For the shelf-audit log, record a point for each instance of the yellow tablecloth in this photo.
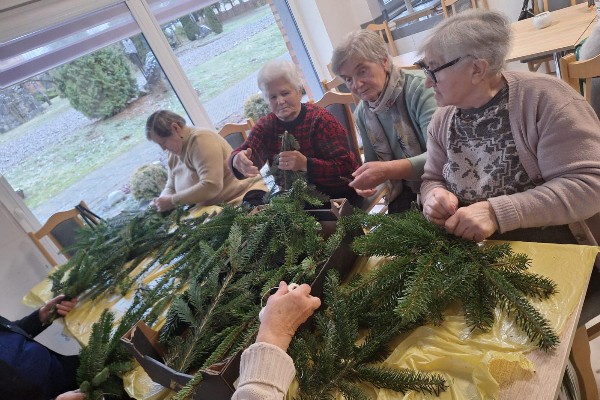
(473, 365)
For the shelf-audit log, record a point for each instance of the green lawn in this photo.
(226, 69)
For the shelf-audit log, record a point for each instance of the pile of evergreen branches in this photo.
(426, 271)
(221, 266)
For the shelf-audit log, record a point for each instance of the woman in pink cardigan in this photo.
(511, 155)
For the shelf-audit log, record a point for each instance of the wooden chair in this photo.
(60, 229)
(536, 7)
(383, 30)
(345, 100)
(449, 6)
(572, 71)
(332, 84)
(581, 359)
(236, 133)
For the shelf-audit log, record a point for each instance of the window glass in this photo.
(221, 47)
(76, 131)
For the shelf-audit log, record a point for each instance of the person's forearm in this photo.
(31, 324)
(400, 169)
(266, 372)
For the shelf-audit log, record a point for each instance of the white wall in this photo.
(324, 23)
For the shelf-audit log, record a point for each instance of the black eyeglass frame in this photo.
(431, 72)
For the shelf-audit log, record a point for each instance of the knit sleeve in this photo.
(421, 105)
(560, 138)
(31, 324)
(436, 151)
(170, 185)
(261, 140)
(266, 372)
(206, 158)
(333, 158)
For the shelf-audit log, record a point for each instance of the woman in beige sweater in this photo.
(198, 173)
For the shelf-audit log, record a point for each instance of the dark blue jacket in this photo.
(28, 369)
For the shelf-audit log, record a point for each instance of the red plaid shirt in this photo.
(323, 141)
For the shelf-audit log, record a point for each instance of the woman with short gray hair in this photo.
(324, 151)
(392, 117)
(473, 36)
(278, 70)
(511, 155)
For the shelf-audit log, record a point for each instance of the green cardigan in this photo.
(420, 103)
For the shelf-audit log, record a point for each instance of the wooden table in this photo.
(567, 28)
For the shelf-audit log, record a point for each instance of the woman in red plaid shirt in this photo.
(324, 152)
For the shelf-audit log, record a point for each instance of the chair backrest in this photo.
(383, 30)
(339, 104)
(60, 229)
(549, 5)
(236, 133)
(336, 83)
(449, 7)
(572, 71)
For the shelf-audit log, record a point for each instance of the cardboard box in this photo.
(217, 384)
(142, 341)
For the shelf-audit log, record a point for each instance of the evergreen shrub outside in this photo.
(212, 21)
(256, 107)
(98, 85)
(190, 27)
(148, 181)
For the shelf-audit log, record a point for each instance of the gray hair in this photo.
(361, 45)
(279, 69)
(160, 123)
(481, 33)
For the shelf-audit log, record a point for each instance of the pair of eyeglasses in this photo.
(431, 72)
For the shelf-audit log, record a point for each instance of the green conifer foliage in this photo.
(98, 85)
(438, 268)
(212, 21)
(190, 27)
(330, 359)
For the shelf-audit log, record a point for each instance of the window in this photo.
(61, 150)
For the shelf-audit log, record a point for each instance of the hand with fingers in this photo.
(285, 311)
(292, 160)
(244, 164)
(55, 308)
(474, 222)
(368, 176)
(439, 205)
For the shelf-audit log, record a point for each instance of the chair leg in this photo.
(580, 357)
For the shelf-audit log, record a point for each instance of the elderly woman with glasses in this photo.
(511, 155)
(392, 117)
(198, 172)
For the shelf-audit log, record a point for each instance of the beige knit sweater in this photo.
(199, 175)
(266, 372)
